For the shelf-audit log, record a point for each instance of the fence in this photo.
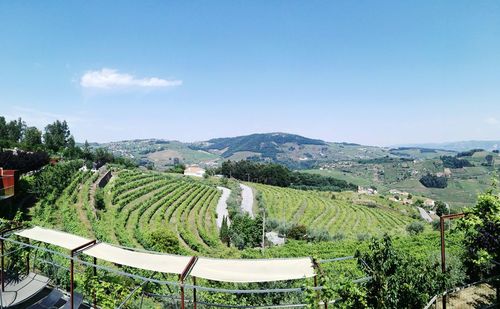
(480, 294)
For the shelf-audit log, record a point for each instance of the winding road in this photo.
(222, 206)
(247, 199)
(424, 214)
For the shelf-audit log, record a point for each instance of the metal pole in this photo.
(182, 292)
(3, 280)
(71, 281)
(443, 256)
(72, 270)
(28, 261)
(194, 293)
(95, 276)
(317, 292)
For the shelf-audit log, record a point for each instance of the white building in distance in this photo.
(194, 170)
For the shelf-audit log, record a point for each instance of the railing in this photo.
(480, 293)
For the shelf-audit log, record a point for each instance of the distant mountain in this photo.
(459, 146)
(266, 145)
(293, 150)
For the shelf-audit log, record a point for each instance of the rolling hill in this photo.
(292, 150)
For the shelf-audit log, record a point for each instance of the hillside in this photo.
(345, 214)
(464, 183)
(134, 203)
(161, 153)
(292, 150)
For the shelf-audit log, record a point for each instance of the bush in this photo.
(415, 228)
(298, 232)
(363, 236)
(318, 235)
(162, 240)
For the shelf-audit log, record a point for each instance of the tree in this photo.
(15, 130)
(481, 226)
(398, 280)
(415, 228)
(56, 136)
(297, 232)
(433, 181)
(245, 232)
(102, 156)
(453, 162)
(3, 128)
(224, 232)
(162, 240)
(71, 151)
(489, 160)
(441, 208)
(32, 139)
(87, 152)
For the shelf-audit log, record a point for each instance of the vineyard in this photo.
(136, 203)
(346, 213)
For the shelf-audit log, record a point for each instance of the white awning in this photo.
(165, 263)
(233, 270)
(56, 238)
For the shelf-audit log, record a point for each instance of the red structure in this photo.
(7, 183)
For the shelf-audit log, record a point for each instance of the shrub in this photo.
(363, 236)
(162, 240)
(415, 228)
(298, 232)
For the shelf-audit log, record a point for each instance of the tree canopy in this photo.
(279, 175)
(481, 227)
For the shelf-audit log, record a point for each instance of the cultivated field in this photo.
(347, 213)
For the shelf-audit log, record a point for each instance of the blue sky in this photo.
(372, 72)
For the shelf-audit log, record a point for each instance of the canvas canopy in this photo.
(165, 263)
(53, 237)
(237, 270)
(224, 270)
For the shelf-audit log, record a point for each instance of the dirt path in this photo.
(80, 208)
(247, 199)
(222, 206)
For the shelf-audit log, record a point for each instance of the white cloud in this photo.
(492, 121)
(110, 78)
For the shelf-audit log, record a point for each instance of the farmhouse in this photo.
(194, 170)
(429, 203)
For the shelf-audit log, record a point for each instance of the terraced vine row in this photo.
(138, 202)
(336, 215)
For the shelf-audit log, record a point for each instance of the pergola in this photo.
(222, 270)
